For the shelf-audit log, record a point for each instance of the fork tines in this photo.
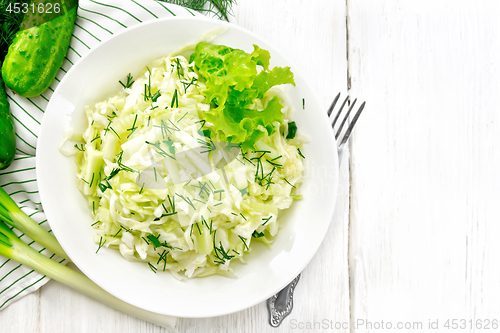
(344, 119)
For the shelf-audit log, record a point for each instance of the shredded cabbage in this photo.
(185, 181)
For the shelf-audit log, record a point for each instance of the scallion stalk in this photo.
(11, 214)
(15, 249)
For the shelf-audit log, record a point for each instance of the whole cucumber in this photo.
(37, 53)
(7, 134)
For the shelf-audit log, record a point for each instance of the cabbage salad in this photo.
(192, 161)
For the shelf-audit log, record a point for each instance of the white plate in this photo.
(94, 78)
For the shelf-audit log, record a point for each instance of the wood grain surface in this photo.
(425, 160)
(414, 240)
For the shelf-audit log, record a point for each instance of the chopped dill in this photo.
(80, 148)
(180, 70)
(153, 268)
(163, 258)
(220, 253)
(171, 202)
(198, 227)
(160, 150)
(103, 186)
(121, 165)
(222, 9)
(220, 193)
(266, 220)
(286, 180)
(188, 201)
(256, 234)
(248, 160)
(175, 100)
(243, 239)
(101, 244)
(209, 146)
(168, 246)
(188, 84)
(175, 126)
(125, 228)
(274, 164)
(154, 98)
(133, 128)
(111, 128)
(200, 201)
(114, 236)
(170, 146)
(204, 222)
(182, 117)
(129, 81)
(96, 137)
(147, 88)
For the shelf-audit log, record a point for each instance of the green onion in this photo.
(15, 249)
(11, 214)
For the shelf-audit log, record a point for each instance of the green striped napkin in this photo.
(96, 22)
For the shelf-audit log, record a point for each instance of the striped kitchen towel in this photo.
(96, 22)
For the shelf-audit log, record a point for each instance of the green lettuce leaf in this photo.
(241, 125)
(234, 84)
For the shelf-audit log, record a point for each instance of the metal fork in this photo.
(281, 304)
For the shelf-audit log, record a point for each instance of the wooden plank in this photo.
(22, 316)
(425, 168)
(65, 310)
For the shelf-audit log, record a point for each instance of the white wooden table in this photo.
(414, 241)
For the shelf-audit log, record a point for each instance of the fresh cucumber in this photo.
(37, 53)
(7, 134)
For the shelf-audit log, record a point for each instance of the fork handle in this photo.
(281, 304)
